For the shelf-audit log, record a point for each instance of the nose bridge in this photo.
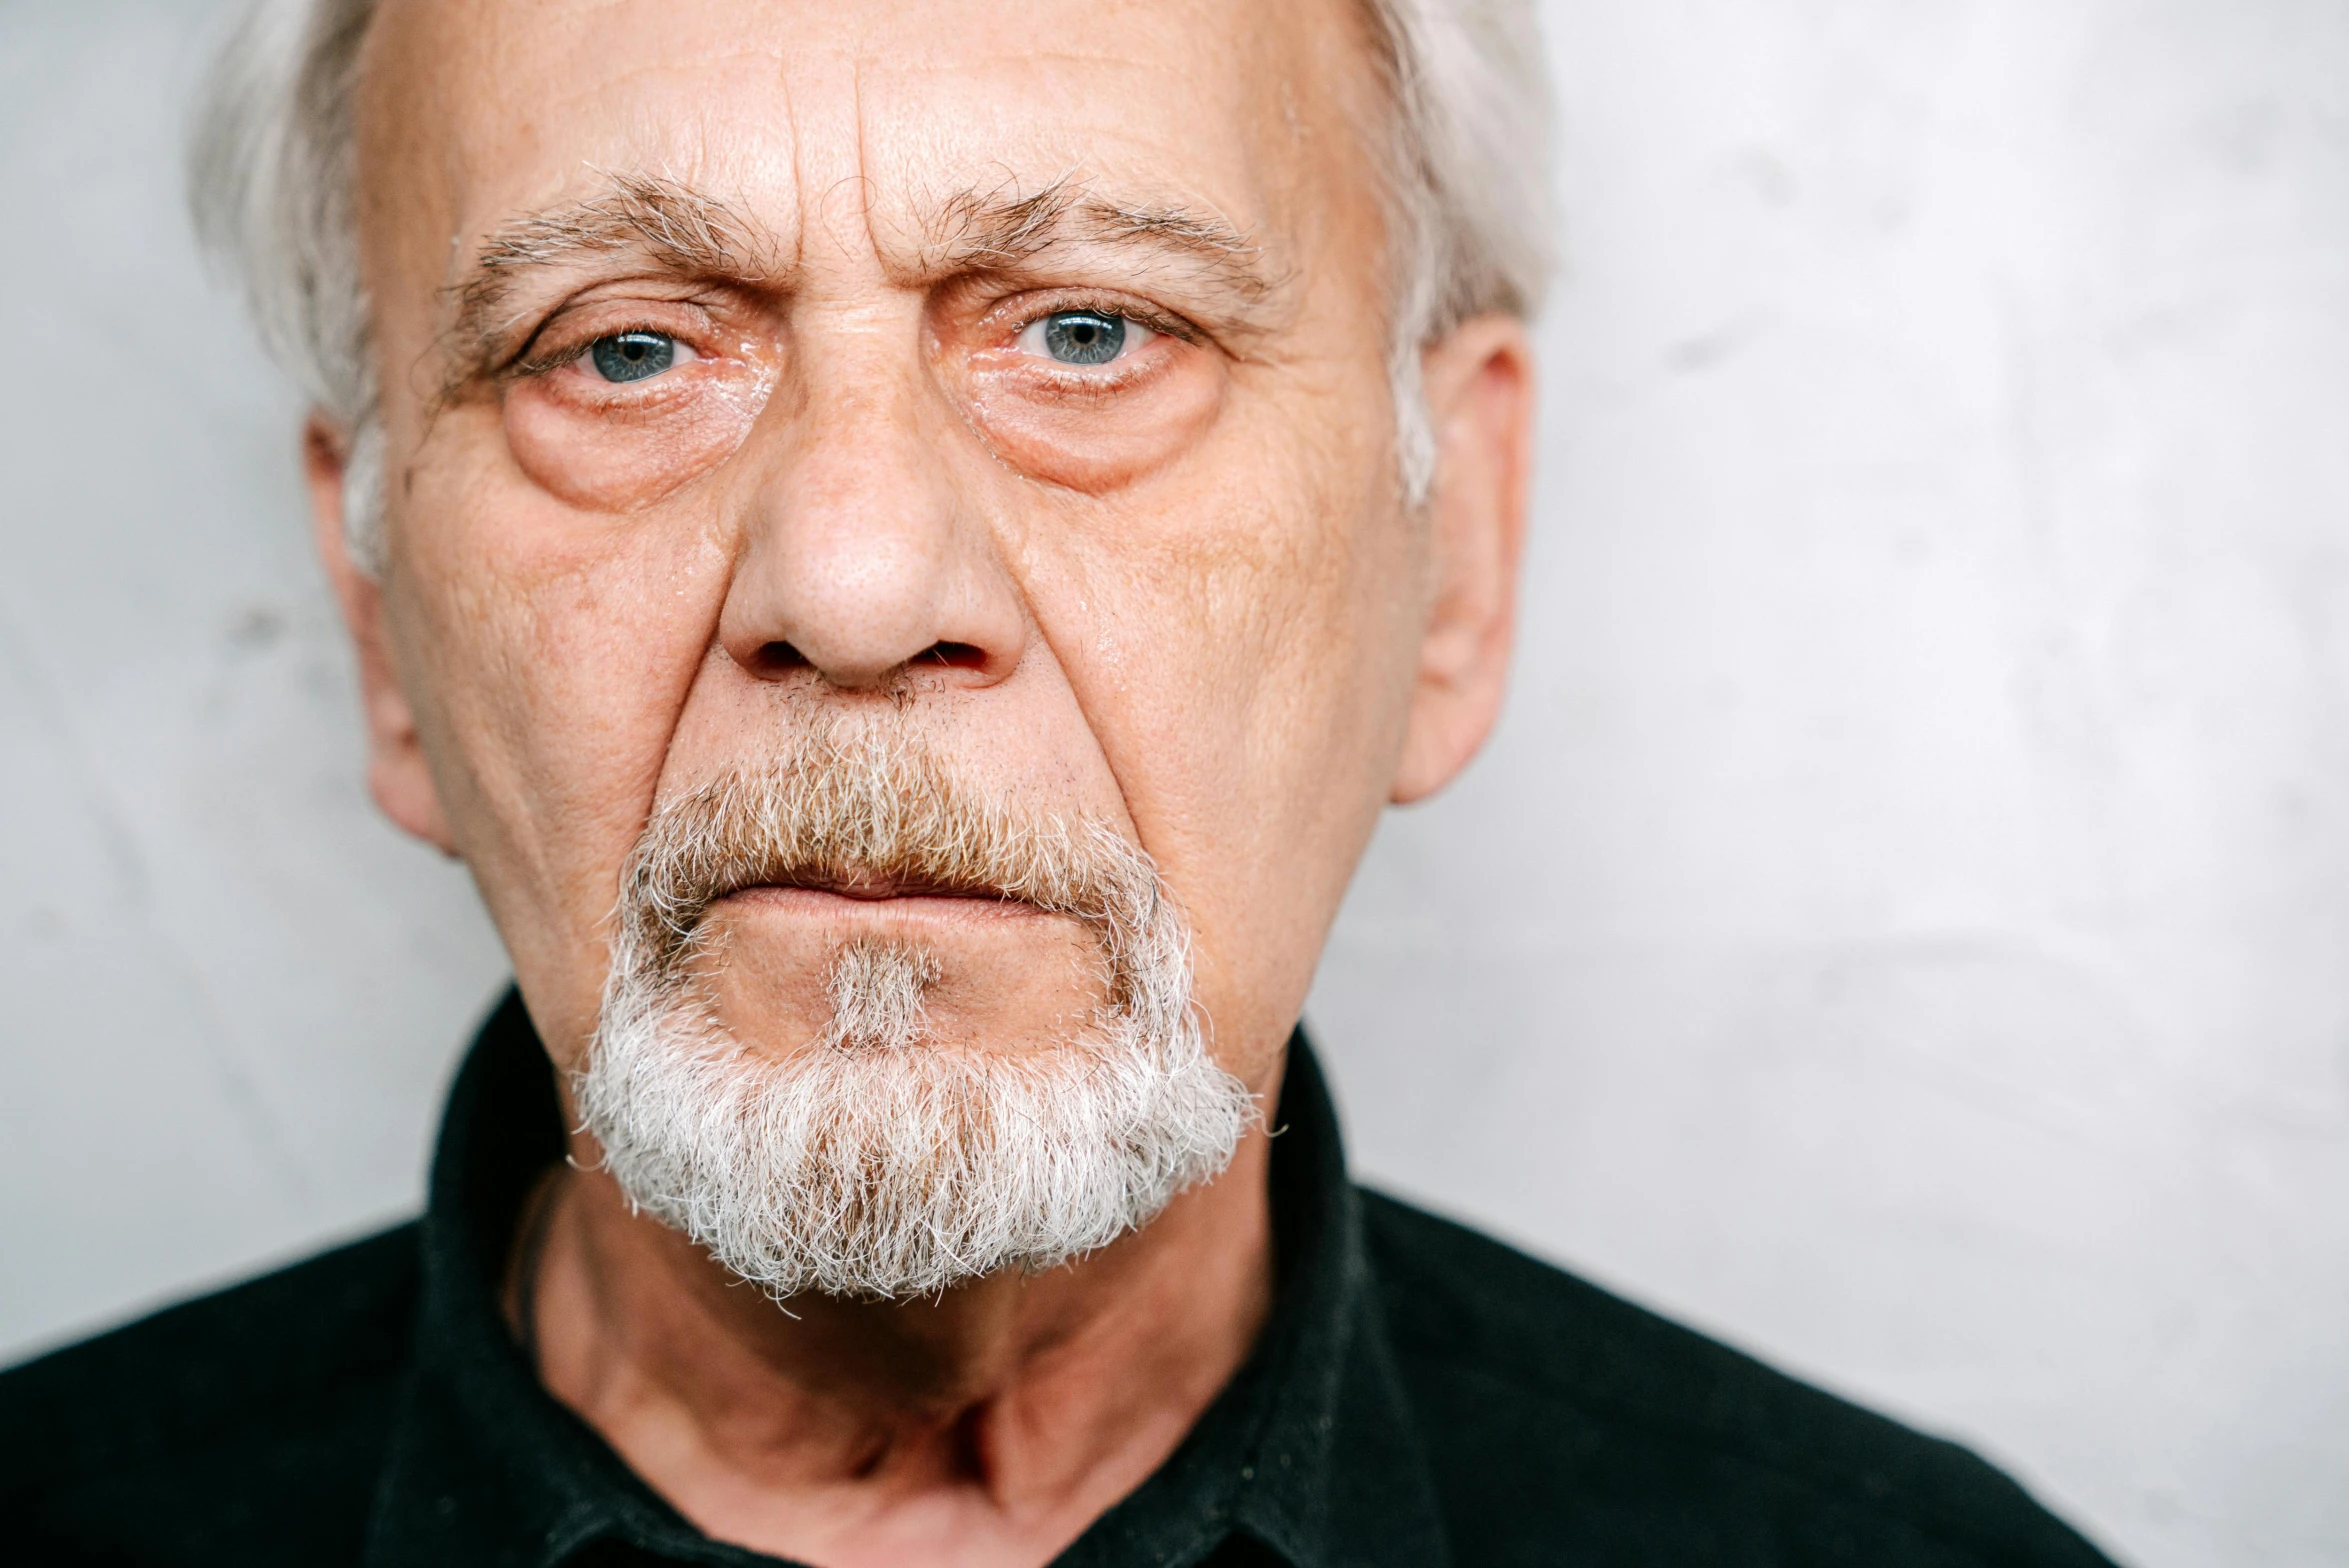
(858, 557)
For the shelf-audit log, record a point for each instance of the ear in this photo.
(397, 774)
(1479, 387)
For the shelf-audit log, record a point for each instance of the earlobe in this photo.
(398, 775)
(1479, 388)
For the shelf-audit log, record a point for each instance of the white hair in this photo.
(272, 177)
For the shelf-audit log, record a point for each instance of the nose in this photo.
(860, 562)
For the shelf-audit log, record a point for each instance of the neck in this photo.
(987, 1426)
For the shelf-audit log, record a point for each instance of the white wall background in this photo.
(1900, 925)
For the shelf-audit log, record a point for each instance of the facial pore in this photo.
(880, 1161)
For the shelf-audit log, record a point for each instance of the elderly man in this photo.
(906, 546)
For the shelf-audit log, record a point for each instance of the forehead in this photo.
(870, 112)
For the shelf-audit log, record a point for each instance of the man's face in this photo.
(1014, 377)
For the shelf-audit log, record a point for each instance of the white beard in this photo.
(875, 1163)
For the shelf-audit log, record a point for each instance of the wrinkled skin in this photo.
(1177, 593)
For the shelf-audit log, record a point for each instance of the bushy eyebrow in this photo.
(1003, 229)
(676, 227)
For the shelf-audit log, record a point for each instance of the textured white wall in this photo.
(228, 993)
(1899, 926)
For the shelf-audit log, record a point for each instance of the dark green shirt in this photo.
(1422, 1396)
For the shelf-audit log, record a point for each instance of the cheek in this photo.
(557, 681)
(612, 460)
(1242, 652)
(548, 657)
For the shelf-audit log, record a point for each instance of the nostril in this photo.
(777, 658)
(953, 655)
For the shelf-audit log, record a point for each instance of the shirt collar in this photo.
(1312, 1450)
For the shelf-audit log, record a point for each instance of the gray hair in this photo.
(272, 181)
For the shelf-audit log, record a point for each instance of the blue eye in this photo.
(633, 356)
(1084, 337)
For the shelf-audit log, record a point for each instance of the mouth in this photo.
(870, 886)
(849, 894)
